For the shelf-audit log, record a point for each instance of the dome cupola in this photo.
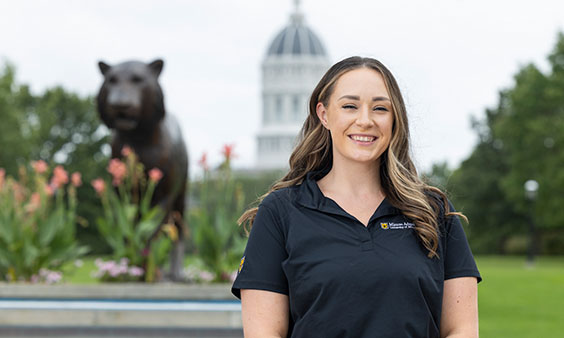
(296, 39)
(294, 62)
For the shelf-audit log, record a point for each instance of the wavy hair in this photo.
(398, 175)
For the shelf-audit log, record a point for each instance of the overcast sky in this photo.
(451, 57)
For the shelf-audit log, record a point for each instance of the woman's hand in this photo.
(460, 308)
(265, 314)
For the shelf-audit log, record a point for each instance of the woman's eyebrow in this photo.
(380, 98)
(350, 97)
(357, 98)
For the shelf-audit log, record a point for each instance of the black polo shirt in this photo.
(347, 280)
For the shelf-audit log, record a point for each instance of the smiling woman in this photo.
(351, 243)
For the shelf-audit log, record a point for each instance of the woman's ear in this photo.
(321, 114)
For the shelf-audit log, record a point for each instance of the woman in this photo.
(351, 243)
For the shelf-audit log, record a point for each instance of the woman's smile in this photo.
(363, 140)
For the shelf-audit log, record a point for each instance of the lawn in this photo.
(516, 301)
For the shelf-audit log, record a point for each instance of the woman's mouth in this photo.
(363, 139)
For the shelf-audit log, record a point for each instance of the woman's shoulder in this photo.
(280, 198)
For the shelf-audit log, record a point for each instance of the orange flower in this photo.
(76, 179)
(155, 175)
(39, 166)
(118, 169)
(60, 177)
(99, 185)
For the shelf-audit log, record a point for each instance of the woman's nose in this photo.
(363, 118)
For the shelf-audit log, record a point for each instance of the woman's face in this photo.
(359, 116)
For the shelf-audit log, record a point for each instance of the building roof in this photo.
(296, 39)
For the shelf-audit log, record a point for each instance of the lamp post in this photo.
(531, 189)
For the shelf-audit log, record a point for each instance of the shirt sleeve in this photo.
(261, 265)
(459, 261)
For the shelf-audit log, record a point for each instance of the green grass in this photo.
(83, 274)
(516, 301)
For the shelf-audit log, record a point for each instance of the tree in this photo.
(476, 190)
(58, 127)
(521, 139)
(15, 101)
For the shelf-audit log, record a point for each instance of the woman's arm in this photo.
(460, 308)
(265, 314)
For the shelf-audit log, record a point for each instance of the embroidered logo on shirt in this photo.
(241, 264)
(397, 226)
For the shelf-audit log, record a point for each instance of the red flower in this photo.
(118, 169)
(155, 175)
(39, 166)
(76, 179)
(227, 151)
(99, 185)
(203, 162)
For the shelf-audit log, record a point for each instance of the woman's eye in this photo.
(381, 108)
(349, 106)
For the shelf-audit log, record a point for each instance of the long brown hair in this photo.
(400, 182)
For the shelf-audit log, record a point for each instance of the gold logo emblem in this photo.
(384, 226)
(241, 264)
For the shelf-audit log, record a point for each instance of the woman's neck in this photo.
(352, 179)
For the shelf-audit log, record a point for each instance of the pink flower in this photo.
(227, 151)
(136, 271)
(60, 177)
(50, 277)
(118, 169)
(39, 166)
(126, 151)
(76, 179)
(203, 162)
(99, 185)
(155, 175)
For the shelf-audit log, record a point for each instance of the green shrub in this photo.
(38, 223)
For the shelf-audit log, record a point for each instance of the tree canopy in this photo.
(56, 126)
(522, 138)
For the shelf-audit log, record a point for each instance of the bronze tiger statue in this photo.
(131, 104)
